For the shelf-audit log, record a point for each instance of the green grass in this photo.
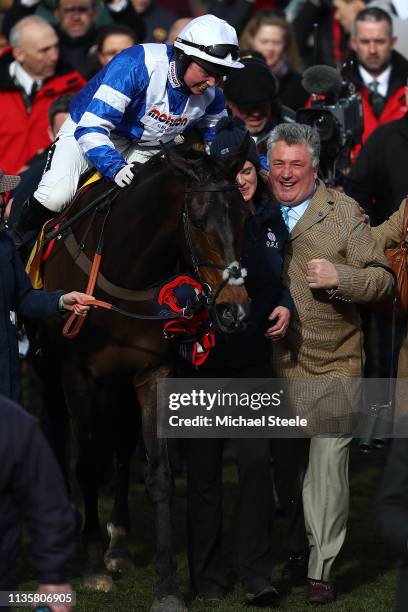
(364, 574)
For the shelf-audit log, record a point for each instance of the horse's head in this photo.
(214, 216)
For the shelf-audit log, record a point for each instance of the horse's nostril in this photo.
(231, 317)
(242, 313)
(226, 314)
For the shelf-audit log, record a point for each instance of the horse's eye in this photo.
(199, 224)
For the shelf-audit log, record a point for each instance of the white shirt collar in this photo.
(382, 79)
(294, 213)
(23, 79)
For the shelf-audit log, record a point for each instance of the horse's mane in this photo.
(191, 151)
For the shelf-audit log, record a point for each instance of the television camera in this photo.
(337, 113)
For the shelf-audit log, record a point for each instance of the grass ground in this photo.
(365, 575)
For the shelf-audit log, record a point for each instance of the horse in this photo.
(184, 212)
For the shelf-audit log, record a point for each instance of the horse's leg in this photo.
(117, 556)
(159, 484)
(93, 456)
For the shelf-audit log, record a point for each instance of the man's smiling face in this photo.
(291, 172)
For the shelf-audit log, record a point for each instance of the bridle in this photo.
(232, 273)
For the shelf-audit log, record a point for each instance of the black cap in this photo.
(253, 85)
(230, 134)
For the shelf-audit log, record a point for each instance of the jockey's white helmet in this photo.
(210, 39)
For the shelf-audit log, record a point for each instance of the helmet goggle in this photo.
(217, 51)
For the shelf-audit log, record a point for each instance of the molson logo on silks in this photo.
(154, 113)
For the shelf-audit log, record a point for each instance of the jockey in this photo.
(145, 95)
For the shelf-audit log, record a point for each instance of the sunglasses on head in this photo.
(218, 51)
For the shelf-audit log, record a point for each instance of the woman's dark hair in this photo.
(110, 30)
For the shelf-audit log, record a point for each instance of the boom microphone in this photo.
(322, 80)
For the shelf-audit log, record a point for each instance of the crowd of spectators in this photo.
(288, 35)
(49, 52)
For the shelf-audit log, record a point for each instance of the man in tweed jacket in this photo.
(328, 249)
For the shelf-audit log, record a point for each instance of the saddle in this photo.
(33, 266)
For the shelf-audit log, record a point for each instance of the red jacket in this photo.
(394, 107)
(23, 131)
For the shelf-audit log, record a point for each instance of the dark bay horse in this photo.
(183, 212)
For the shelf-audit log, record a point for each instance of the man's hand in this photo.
(125, 176)
(278, 329)
(322, 274)
(65, 589)
(74, 301)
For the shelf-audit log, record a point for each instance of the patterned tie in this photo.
(377, 102)
(285, 214)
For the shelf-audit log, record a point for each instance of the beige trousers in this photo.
(326, 502)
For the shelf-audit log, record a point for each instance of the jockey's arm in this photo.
(121, 84)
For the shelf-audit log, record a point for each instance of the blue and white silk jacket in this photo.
(139, 96)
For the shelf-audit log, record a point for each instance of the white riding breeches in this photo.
(67, 161)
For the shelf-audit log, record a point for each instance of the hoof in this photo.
(98, 582)
(117, 558)
(118, 564)
(169, 603)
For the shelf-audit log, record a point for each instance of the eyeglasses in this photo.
(218, 51)
(82, 10)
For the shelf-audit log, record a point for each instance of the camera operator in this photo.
(372, 93)
(336, 111)
(253, 97)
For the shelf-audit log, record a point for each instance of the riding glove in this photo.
(125, 176)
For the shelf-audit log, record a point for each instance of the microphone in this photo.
(322, 80)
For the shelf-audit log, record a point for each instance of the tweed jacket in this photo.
(324, 340)
(390, 232)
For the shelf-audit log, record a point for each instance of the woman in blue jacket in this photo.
(242, 355)
(19, 299)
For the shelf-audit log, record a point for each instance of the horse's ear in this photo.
(234, 162)
(181, 165)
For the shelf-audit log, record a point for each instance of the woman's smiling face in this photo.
(247, 180)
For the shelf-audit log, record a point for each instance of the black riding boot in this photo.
(32, 218)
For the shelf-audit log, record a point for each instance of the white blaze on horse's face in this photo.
(234, 274)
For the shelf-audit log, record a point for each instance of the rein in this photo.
(233, 271)
(102, 199)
